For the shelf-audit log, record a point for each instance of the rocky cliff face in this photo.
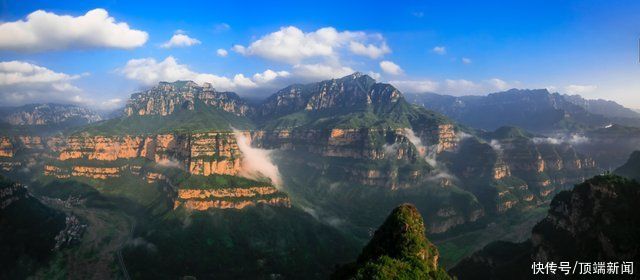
(167, 98)
(48, 114)
(509, 169)
(397, 250)
(198, 153)
(226, 198)
(594, 222)
(353, 91)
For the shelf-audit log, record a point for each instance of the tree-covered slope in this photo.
(398, 249)
(27, 231)
(595, 221)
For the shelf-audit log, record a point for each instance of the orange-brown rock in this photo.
(51, 170)
(6, 147)
(202, 205)
(226, 192)
(153, 177)
(501, 171)
(447, 140)
(95, 172)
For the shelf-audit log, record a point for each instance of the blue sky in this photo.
(451, 47)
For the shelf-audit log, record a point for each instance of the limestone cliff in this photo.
(167, 98)
(226, 198)
(199, 153)
(353, 91)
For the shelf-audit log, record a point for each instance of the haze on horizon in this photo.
(97, 53)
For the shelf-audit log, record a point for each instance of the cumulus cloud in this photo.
(321, 71)
(390, 68)
(441, 50)
(148, 71)
(48, 31)
(179, 39)
(580, 89)
(269, 75)
(498, 84)
(374, 75)
(23, 82)
(453, 86)
(292, 45)
(419, 86)
(222, 52)
(112, 103)
(462, 86)
(256, 162)
(372, 51)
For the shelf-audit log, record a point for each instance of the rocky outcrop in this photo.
(6, 147)
(594, 222)
(95, 172)
(353, 91)
(226, 198)
(52, 170)
(200, 153)
(226, 192)
(168, 98)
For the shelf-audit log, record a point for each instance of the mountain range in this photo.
(190, 181)
(535, 110)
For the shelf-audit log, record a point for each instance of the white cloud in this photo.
(321, 71)
(374, 75)
(112, 103)
(441, 50)
(179, 39)
(269, 75)
(418, 14)
(453, 86)
(573, 139)
(256, 163)
(48, 31)
(370, 50)
(498, 84)
(222, 52)
(148, 71)
(421, 86)
(390, 67)
(292, 45)
(462, 86)
(580, 89)
(466, 60)
(23, 82)
(496, 146)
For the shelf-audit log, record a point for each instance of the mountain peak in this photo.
(399, 249)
